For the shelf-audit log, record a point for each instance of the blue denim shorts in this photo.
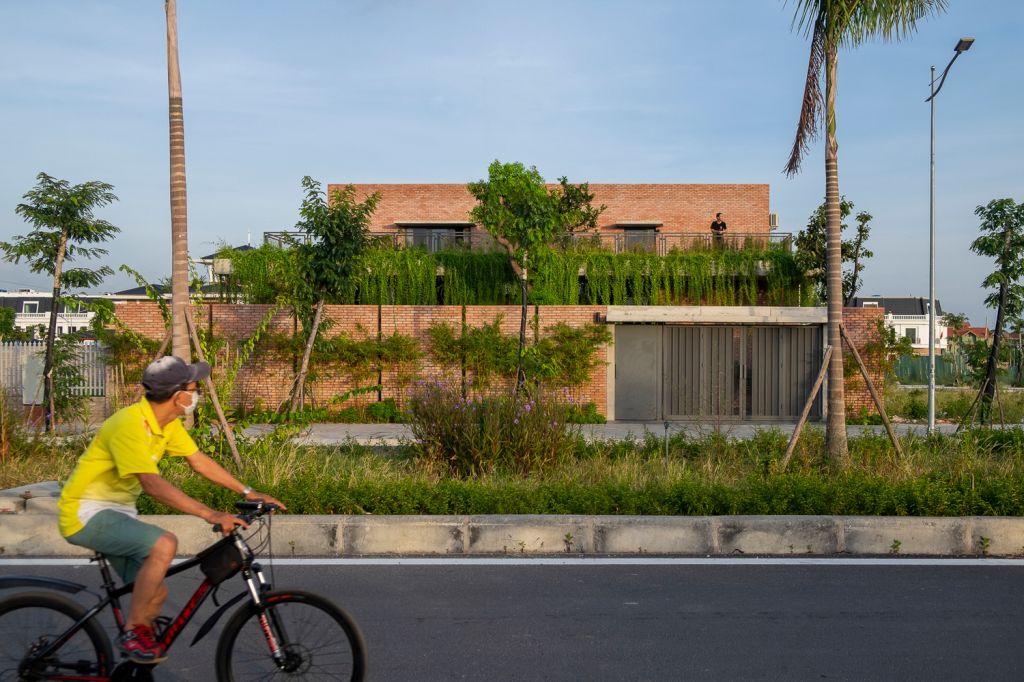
(123, 540)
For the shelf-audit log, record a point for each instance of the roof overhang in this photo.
(758, 314)
(434, 223)
(637, 224)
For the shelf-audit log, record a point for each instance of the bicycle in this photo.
(299, 635)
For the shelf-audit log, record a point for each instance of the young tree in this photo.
(524, 215)
(1002, 225)
(63, 221)
(954, 321)
(811, 250)
(340, 234)
(832, 24)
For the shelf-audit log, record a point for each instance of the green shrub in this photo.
(385, 412)
(469, 436)
(584, 414)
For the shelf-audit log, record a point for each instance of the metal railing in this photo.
(661, 243)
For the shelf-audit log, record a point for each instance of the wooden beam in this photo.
(225, 427)
(872, 391)
(807, 409)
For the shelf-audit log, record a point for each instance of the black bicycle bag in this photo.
(220, 561)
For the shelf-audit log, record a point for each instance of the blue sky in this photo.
(432, 91)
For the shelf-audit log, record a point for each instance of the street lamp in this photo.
(962, 46)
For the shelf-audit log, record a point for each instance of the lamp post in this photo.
(963, 45)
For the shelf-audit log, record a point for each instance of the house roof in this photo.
(978, 332)
(915, 305)
(243, 247)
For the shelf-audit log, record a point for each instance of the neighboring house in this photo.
(218, 268)
(971, 334)
(909, 317)
(32, 308)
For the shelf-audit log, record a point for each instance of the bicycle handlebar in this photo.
(250, 511)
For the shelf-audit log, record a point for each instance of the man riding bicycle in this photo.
(97, 504)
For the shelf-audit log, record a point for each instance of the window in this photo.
(911, 333)
(640, 239)
(30, 307)
(870, 304)
(435, 239)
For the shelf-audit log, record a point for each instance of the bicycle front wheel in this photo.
(30, 621)
(315, 640)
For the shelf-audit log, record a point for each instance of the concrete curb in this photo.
(34, 533)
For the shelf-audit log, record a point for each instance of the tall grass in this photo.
(979, 472)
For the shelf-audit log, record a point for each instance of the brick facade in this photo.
(680, 208)
(266, 378)
(862, 328)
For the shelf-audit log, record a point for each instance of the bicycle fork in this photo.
(269, 623)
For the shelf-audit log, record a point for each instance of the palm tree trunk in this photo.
(49, 399)
(299, 387)
(836, 426)
(179, 203)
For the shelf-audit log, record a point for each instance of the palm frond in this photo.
(810, 110)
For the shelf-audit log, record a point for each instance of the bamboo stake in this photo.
(970, 412)
(228, 433)
(807, 409)
(872, 391)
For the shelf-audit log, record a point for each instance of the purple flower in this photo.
(515, 421)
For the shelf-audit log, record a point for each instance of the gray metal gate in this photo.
(738, 372)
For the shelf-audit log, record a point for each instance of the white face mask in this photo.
(191, 407)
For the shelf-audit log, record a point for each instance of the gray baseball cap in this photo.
(171, 372)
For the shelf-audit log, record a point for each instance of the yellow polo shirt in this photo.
(129, 442)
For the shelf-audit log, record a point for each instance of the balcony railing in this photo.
(625, 241)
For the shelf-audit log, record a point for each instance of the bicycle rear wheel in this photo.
(317, 640)
(29, 621)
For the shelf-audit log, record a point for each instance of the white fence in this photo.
(14, 356)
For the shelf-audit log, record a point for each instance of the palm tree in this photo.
(832, 24)
(179, 203)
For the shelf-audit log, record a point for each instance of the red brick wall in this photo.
(266, 377)
(861, 327)
(681, 208)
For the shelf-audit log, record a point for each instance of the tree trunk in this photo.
(179, 203)
(993, 356)
(520, 372)
(49, 401)
(299, 387)
(836, 427)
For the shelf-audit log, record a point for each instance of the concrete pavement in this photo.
(397, 434)
(28, 528)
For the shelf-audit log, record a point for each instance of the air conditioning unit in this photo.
(773, 220)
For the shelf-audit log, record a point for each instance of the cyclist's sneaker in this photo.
(140, 645)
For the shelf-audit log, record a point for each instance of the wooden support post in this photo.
(225, 427)
(807, 409)
(872, 391)
(970, 412)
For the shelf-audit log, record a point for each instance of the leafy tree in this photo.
(524, 215)
(832, 24)
(64, 227)
(1002, 226)
(8, 332)
(955, 321)
(339, 232)
(811, 250)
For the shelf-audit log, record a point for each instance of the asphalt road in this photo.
(721, 620)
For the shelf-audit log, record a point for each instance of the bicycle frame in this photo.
(251, 572)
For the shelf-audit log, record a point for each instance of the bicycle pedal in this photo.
(160, 624)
